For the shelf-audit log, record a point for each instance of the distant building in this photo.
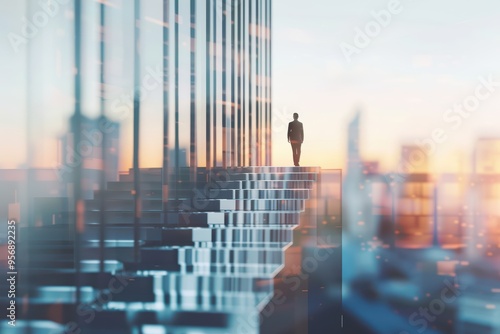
(360, 225)
(354, 162)
(26, 205)
(183, 161)
(415, 160)
(370, 167)
(96, 135)
(487, 156)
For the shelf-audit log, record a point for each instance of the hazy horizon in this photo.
(428, 58)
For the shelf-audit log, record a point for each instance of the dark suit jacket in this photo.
(295, 131)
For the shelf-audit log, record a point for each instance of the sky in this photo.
(426, 57)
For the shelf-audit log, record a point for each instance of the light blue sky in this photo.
(427, 59)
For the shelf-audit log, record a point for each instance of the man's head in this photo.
(295, 116)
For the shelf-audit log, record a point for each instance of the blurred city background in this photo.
(397, 229)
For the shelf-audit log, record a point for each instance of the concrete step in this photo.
(260, 194)
(202, 259)
(262, 218)
(270, 205)
(234, 236)
(199, 204)
(193, 219)
(211, 258)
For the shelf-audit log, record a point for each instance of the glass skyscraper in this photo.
(163, 213)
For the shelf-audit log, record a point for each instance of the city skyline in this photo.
(145, 143)
(412, 72)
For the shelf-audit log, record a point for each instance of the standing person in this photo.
(295, 137)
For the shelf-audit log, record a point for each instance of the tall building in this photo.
(353, 144)
(359, 225)
(194, 245)
(218, 87)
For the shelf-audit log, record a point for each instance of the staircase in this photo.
(206, 265)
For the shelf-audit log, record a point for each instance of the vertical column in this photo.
(214, 79)
(270, 82)
(224, 85)
(239, 131)
(192, 152)
(233, 77)
(30, 151)
(263, 36)
(262, 82)
(79, 204)
(166, 107)
(250, 83)
(30, 127)
(102, 181)
(244, 88)
(265, 30)
(258, 110)
(137, 109)
(176, 98)
(207, 86)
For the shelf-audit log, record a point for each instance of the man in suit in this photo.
(295, 137)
